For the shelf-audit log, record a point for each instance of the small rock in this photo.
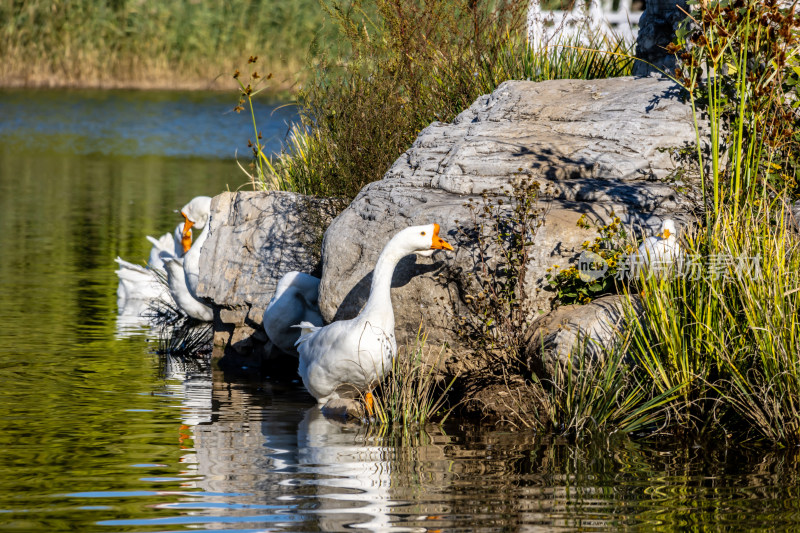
(588, 331)
(343, 408)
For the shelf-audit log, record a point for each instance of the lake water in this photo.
(97, 433)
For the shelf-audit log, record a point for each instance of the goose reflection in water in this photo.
(353, 478)
(279, 463)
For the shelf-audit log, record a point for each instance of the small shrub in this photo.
(502, 231)
(601, 259)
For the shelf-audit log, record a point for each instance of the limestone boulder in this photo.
(255, 238)
(599, 146)
(588, 331)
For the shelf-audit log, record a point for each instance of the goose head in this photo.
(196, 214)
(420, 240)
(667, 229)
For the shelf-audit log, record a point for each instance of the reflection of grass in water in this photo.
(185, 339)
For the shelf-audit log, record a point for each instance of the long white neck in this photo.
(191, 262)
(379, 305)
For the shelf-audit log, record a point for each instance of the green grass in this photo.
(411, 64)
(728, 338)
(148, 43)
(413, 393)
(598, 396)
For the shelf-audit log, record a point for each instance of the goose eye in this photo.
(422, 233)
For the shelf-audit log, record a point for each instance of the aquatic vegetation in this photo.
(181, 44)
(740, 61)
(726, 331)
(590, 397)
(414, 391)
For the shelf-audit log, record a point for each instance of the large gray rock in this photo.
(582, 335)
(255, 238)
(599, 143)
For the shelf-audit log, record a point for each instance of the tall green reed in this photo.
(724, 329)
(149, 43)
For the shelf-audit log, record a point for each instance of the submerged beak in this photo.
(369, 403)
(186, 236)
(666, 234)
(437, 242)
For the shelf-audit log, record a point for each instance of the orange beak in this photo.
(369, 403)
(186, 236)
(666, 234)
(439, 243)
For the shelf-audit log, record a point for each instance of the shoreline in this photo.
(219, 84)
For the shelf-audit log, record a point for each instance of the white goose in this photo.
(196, 213)
(139, 285)
(176, 279)
(176, 243)
(351, 355)
(659, 252)
(294, 301)
(183, 273)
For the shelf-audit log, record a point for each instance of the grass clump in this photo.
(740, 61)
(148, 44)
(729, 336)
(412, 63)
(724, 332)
(413, 393)
(588, 396)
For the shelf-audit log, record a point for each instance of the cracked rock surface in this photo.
(255, 238)
(601, 144)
